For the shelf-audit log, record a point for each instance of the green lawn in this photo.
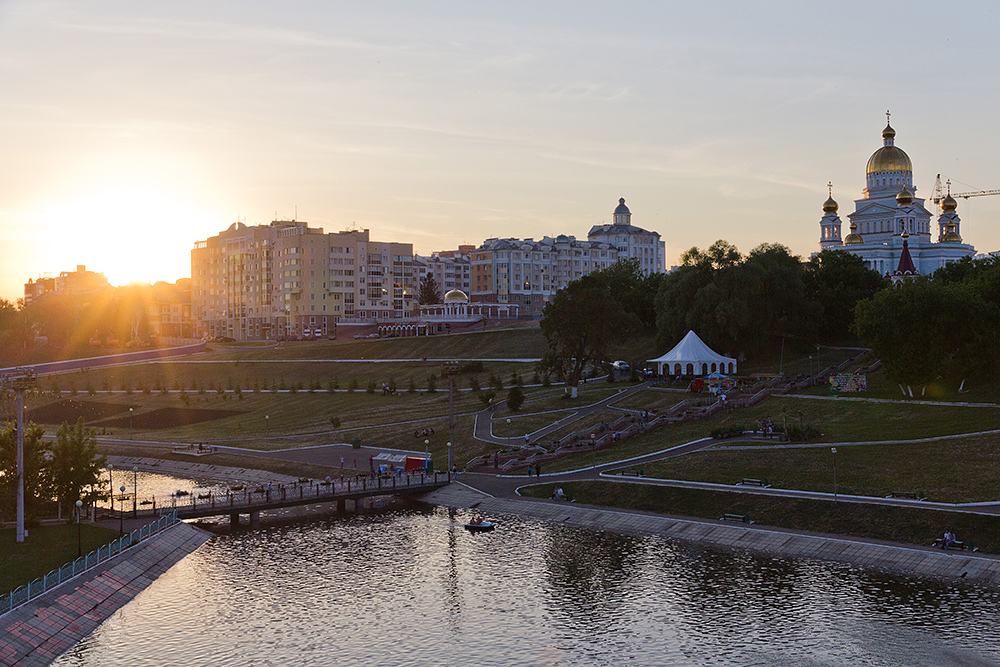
(897, 524)
(45, 549)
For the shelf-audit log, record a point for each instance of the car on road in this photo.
(621, 366)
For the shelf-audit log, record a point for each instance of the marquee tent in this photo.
(692, 357)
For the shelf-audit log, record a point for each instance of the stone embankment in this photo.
(36, 633)
(913, 560)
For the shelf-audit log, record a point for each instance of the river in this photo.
(409, 586)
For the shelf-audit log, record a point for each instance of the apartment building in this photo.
(451, 269)
(287, 279)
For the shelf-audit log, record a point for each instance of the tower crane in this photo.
(938, 194)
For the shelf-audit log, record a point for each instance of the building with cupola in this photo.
(632, 242)
(890, 224)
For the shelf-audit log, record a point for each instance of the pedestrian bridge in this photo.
(312, 492)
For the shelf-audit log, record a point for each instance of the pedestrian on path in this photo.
(538, 470)
(341, 462)
(526, 439)
(529, 472)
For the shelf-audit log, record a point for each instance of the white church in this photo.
(889, 215)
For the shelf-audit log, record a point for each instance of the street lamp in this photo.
(130, 410)
(79, 539)
(121, 514)
(834, 450)
(449, 461)
(111, 482)
(593, 449)
(266, 421)
(135, 492)
(427, 444)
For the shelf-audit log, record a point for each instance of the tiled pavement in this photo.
(36, 633)
(874, 554)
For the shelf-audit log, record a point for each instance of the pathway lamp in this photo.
(593, 449)
(449, 460)
(135, 492)
(130, 410)
(79, 538)
(111, 482)
(121, 513)
(834, 451)
(266, 419)
(427, 444)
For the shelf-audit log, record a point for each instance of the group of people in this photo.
(424, 433)
(558, 494)
(949, 539)
(387, 390)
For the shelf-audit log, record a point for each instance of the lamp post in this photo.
(593, 450)
(111, 482)
(79, 538)
(135, 492)
(427, 445)
(121, 514)
(834, 451)
(266, 421)
(130, 410)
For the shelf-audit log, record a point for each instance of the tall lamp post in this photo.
(593, 450)
(79, 538)
(121, 514)
(135, 492)
(130, 410)
(450, 368)
(834, 450)
(111, 482)
(266, 420)
(19, 381)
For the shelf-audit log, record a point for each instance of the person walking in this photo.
(529, 472)
(341, 462)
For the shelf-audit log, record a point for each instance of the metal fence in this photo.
(23, 594)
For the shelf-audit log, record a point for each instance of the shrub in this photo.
(515, 398)
(474, 383)
(413, 387)
(432, 383)
(353, 386)
(802, 433)
(471, 367)
(371, 387)
(335, 423)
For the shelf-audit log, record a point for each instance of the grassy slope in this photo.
(45, 549)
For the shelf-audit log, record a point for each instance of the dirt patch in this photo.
(69, 410)
(168, 418)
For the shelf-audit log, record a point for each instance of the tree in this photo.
(37, 484)
(515, 398)
(76, 465)
(837, 281)
(580, 324)
(430, 291)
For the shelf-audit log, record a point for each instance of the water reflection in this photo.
(411, 587)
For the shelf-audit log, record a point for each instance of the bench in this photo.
(626, 473)
(746, 481)
(742, 518)
(912, 495)
(956, 545)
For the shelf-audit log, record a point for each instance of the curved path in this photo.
(484, 420)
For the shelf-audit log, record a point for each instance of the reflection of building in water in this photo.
(889, 217)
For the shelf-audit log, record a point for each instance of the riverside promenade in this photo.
(37, 632)
(905, 559)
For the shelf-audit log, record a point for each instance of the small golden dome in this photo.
(456, 295)
(888, 132)
(904, 197)
(951, 236)
(830, 206)
(949, 204)
(905, 235)
(853, 238)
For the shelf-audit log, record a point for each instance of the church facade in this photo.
(889, 216)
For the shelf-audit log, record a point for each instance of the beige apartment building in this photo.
(287, 279)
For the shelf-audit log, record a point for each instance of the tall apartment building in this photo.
(528, 273)
(67, 283)
(289, 279)
(451, 269)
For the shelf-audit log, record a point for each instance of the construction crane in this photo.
(938, 194)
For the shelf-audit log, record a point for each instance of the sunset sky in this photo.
(132, 129)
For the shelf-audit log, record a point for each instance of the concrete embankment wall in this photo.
(36, 633)
(896, 558)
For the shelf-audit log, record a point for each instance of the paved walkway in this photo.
(484, 420)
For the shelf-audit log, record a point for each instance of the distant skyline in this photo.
(132, 130)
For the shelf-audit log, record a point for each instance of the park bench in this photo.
(913, 495)
(742, 518)
(626, 473)
(956, 545)
(746, 481)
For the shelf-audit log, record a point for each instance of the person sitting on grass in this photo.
(558, 493)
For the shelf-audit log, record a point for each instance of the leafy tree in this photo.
(837, 281)
(76, 465)
(36, 474)
(515, 398)
(580, 324)
(430, 291)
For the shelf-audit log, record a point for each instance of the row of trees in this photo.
(737, 303)
(940, 326)
(66, 470)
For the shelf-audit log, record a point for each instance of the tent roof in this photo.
(691, 348)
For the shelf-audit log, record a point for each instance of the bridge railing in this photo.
(23, 594)
(301, 490)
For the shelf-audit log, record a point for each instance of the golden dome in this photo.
(853, 237)
(904, 197)
(951, 236)
(830, 206)
(456, 295)
(949, 204)
(889, 158)
(888, 132)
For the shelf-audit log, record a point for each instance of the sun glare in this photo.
(128, 232)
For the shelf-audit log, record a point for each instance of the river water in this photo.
(409, 586)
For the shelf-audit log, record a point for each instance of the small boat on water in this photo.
(480, 527)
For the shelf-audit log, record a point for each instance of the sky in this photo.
(131, 130)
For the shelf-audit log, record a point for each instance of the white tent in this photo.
(692, 357)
